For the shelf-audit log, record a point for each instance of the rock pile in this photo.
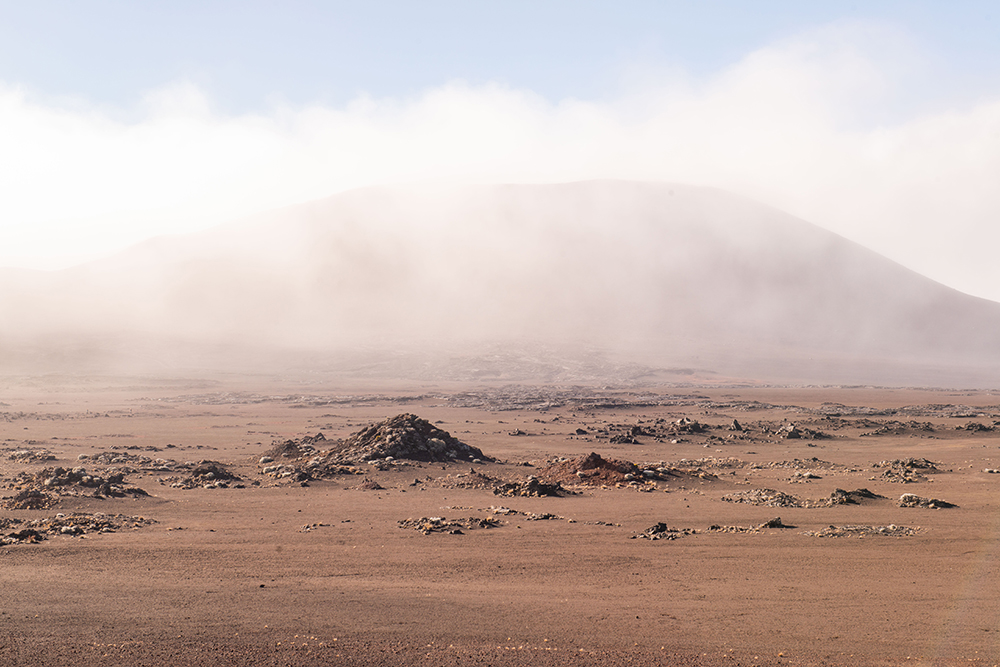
(206, 475)
(913, 500)
(439, 524)
(773, 498)
(663, 532)
(36, 530)
(856, 497)
(39, 490)
(294, 449)
(28, 499)
(905, 471)
(891, 530)
(404, 436)
(771, 523)
(30, 455)
(591, 470)
(531, 487)
(528, 516)
(469, 480)
(127, 463)
(795, 432)
(388, 444)
(764, 497)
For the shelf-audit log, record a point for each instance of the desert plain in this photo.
(191, 522)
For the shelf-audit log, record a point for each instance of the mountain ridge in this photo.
(664, 275)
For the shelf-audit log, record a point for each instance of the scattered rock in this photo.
(771, 523)
(530, 487)
(31, 455)
(856, 497)
(891, 530)
(204, 474)
(913, 500)
(40, 490)
(663, 532)
(36, 530)
(370, 485)
(439, 524)
(764, 497)
(905, 471)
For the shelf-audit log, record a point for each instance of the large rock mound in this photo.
(591, 469)
(404, 436)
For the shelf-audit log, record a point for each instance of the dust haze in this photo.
(650, 276)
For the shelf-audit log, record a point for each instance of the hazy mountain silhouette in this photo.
(518, 281)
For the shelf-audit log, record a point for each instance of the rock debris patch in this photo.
(30, 455)
(42, 489)
(770, 523)
(126, 462)
(891, 530)
(440, 524)
(913, 500)
(528, 516)
(531, 487)
(774, 498)
(904, 471)
(28, 531)
(205, 475)
(369, 485)
(764, 497)
(662, 531)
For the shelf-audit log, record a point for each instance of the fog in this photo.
(437, 282)
(813, 126)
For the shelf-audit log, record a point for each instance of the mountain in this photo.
(512, 281)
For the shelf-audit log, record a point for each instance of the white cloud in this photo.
(801, 125)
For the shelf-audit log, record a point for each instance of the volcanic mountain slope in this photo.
(654, 274)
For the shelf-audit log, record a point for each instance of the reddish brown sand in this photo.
(231, 576)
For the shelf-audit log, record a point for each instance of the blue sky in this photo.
(247, 54)
(877, 120)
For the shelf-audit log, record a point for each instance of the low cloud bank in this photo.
(790, 125)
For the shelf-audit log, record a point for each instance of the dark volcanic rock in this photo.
(404, 436)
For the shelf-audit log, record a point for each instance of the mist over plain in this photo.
(595, 280)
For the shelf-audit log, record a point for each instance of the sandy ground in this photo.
(277, 573)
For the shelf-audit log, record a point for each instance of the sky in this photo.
(878, 120)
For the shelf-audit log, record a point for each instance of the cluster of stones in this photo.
(771, 523)
(35, 530)
(662, 531)
(764, 497)
(531, 487)
(913, 500)
(404, 436)
(891, 530)
(439, 524)
(773, 498)
(205, 475)
(905, 471)
(528, 516)
(130, 461)
(388, 444)
(31, 455)
(38, 490)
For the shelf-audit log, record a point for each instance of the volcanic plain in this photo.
(273, 521)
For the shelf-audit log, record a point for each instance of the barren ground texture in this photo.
(273, 521)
